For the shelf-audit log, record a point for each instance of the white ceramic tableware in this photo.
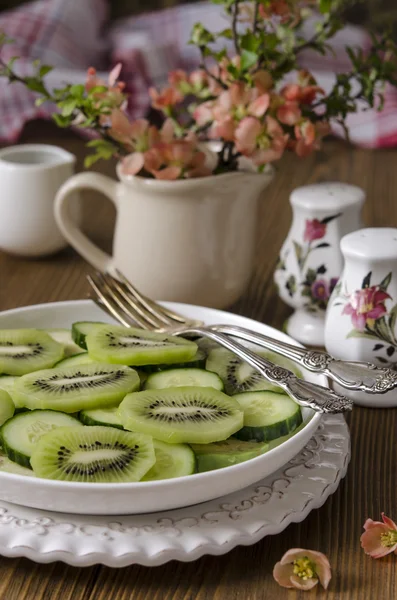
(189, 241)
(264, 508)
(361, 321)
(143, 497)
(310, 259)
(30, 176)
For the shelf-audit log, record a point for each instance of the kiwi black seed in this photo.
(75, 388)
(93, 454)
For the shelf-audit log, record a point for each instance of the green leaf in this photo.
(35, 85)
(61, 120)
(354, 333)
(91, 159)
(298, 252)
(200, 36)
(325, 6)
(393, 320)
(367, 280)
(249, 41)
(40, 101)
(384, 284)
(44, 69)
(248, 59)
(68, 106)
(226, 33)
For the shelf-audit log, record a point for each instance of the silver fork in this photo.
(130, 308)
(351, 375)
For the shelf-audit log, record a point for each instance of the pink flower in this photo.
(302, 569)
(308, 136)
(305, 91)
(113, 95)
(320, 289)
(263, 142)
(138, 136)
(366, 306)
(176, 159)
(379, 538)
(166, 98)
(314, 230)
(289, 113)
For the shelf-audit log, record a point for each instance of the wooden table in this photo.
(370, 485)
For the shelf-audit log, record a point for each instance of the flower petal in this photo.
(114, 74)
(371, 541)
(246, 133)
(168, 174)
(282, 574)
(377, 312)
(132, 163)
(391, 524)
(303, 584)
(258, 107)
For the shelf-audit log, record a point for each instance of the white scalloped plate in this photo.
(214, 527)
(143, 497)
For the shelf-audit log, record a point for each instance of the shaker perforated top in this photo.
(331, 195)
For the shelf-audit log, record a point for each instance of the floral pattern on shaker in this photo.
(315, 287)
(370, 317)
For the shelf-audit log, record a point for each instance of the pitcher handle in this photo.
(80, 242)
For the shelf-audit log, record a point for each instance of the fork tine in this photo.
(105, 303)
(128, 310)
(167, 316)
(116, 287)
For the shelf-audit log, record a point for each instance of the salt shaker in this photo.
(310, 261)
(361, 320)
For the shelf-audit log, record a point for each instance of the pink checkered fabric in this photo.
(72, 35)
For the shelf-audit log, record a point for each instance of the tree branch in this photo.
(234, 27)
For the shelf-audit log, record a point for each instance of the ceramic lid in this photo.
(373, 243)
(331, 195)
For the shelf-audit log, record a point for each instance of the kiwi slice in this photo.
(183, 377)
(7, 382)
(224, 454)
(172, 460)
(81, 329)
(131, 346)
(107, 417)
(81, 358)
(72, 389)
(64, 337)
(26, 350)
(93, 454)
(197, 362)
(7, 407)
(197, 415)
(238, 376)
(20, 434)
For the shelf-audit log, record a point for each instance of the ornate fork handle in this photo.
(350, 375)
(305, 393)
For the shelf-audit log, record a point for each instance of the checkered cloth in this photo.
(73, 35)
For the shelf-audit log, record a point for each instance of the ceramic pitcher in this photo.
(30, 176)
(189, 241)
(361, 321)
(310, 260)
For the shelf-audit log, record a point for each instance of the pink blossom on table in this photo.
(175, 160)
(314, 230)
(366, 306)
(302, 569)
(263, 141)
(379, 538)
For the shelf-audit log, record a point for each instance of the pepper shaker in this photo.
(361, 320)
(310, 261)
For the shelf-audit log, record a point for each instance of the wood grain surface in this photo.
(370, 485)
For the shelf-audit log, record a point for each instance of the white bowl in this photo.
(144, 497)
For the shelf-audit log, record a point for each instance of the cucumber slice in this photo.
(20, 434)
(197, 362)
(7, 407)
(64, 337)
(9, 466)
(107, 417)
(131, 346)
(172, 460)
(267, 415)
(81, 329)
(224, 454)
(76, 359)
(183, 377)
(7, 382)
(238, 376)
